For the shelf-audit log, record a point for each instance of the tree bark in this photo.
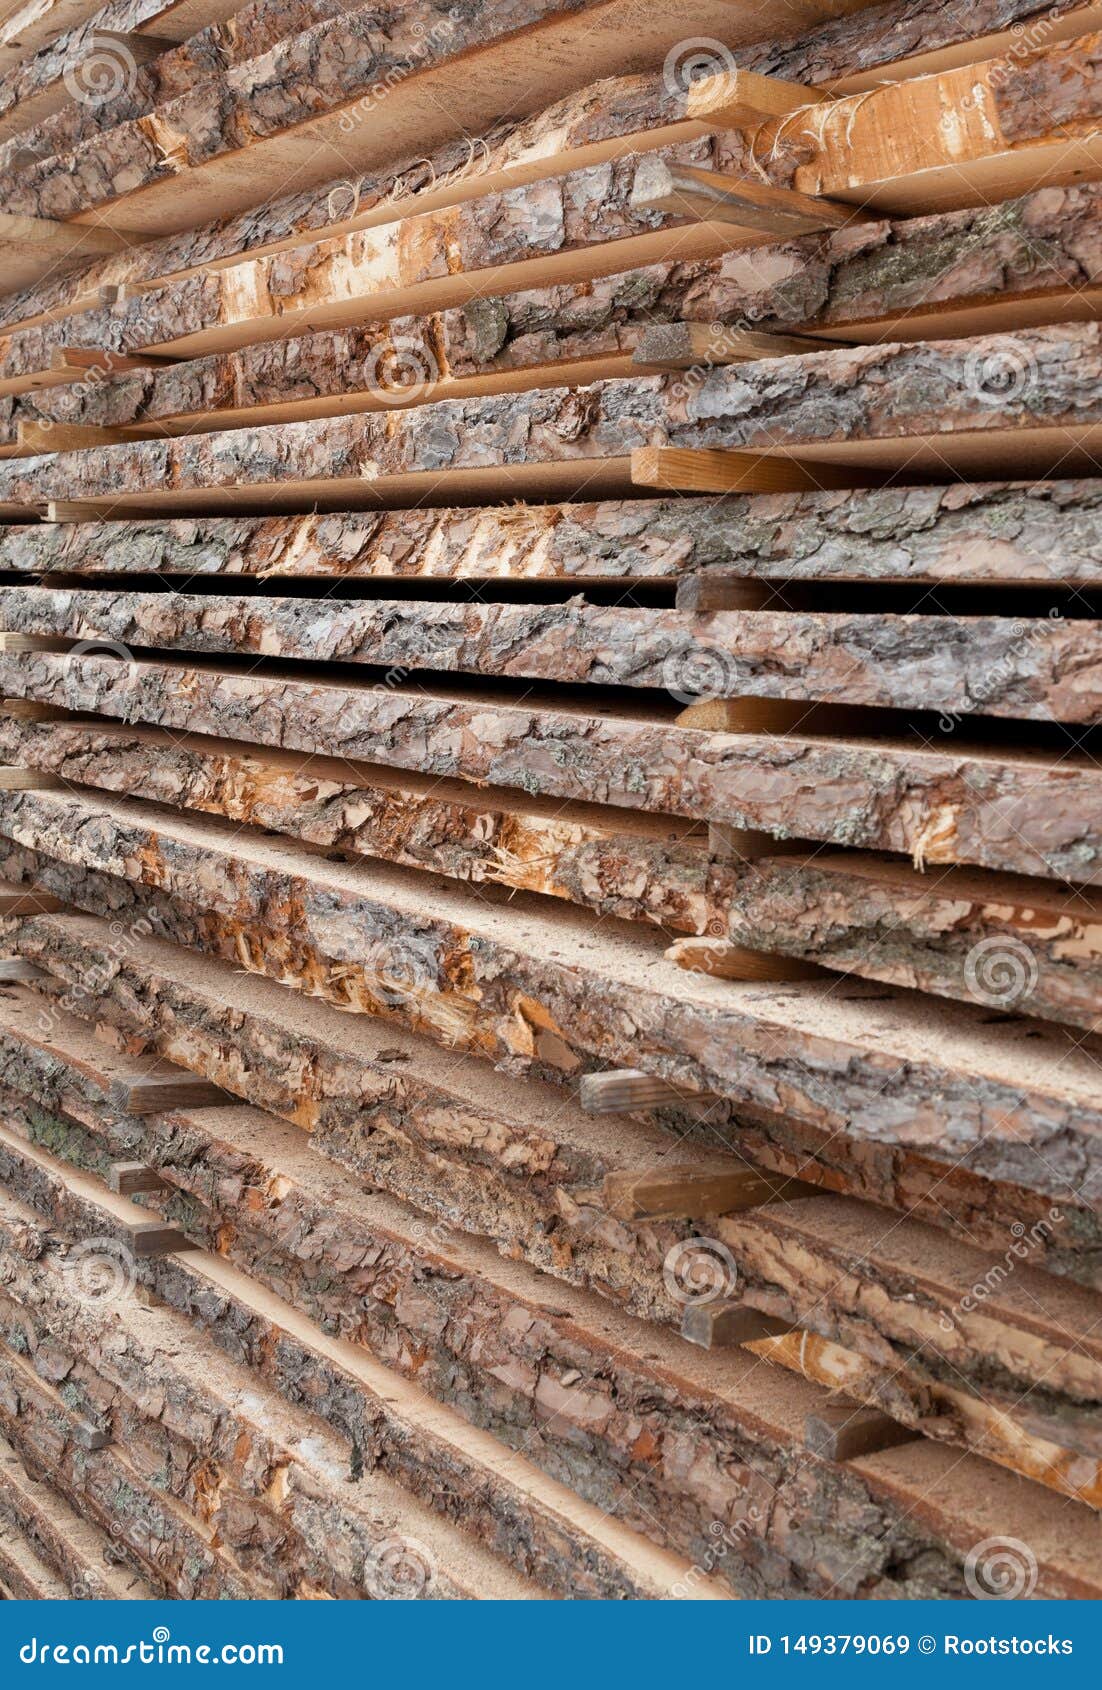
(1021, 813)
(1046, 669)
(515, 1362)
(1010, 532)
(506, 980)
(868, 394)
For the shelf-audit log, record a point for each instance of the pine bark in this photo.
(505, 979)
(792, 1259)
(1020, 813)
(1010, 532)
(1045, 670)
(899, 392)
(622, 1434)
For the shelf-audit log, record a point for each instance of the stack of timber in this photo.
(550, 842)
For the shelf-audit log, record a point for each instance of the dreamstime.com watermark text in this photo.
(157, 1651)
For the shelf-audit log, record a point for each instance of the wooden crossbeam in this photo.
(80, 359)
(708, 592)
(143, 49)
(130, 1179)
(27, 780)
(12, 642)
(154, 1238)
(688, 1192)
(724, 961)
(744, 99)
(31, 247)
(72, 437)
(684, 191)
(622, 1090)
(746, 715)
(688, 346)
(724, 1324)
(844, 1431)
(16, 971)
(90, 1437)
(155, 1095)
(28, 901)
(688, 469)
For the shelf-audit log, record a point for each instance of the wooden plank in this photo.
(209, 176)
(740, 1403)
(934, 804)
(1038, 670)
(31, 247)
(726, 1325)
(627, 1090)
(684, 191)
(847, 1431)
(691, 1191)
(130, 1179)
(504, 974)
(692, 470)
(688, 346)
(998, 533)
(155, 1096)
(958, 137)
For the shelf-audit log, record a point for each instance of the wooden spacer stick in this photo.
(691, 346)
(29, 901)
(622, 1090)
(688, 1193)
(689, 469)
(725, 961)
(843, 1431)
(744, 99)
(722, 1325)
(130, 1179)
(152, 1097)
(154, 1238)
(684, 191)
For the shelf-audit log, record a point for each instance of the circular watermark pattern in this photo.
(1000, 375)
(399, 1569)
(398, 972)
(342, 201)
(1001, 1569)
(695, 672)
(403, 369)
(101, 1269)
(104, 73)
(1000, 971)
(693, 59)
(699, 1270)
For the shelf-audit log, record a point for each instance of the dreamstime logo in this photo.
(1000, 971)
(1001, 1569)
(104, 73)
(342, 201)
(102, 1270)
(403, 369)
(695, 672)
(1000, 375)
(693, 59)
(70, 664)
(699, 1270)
(398, 975)
(399, 1569)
